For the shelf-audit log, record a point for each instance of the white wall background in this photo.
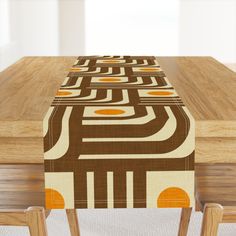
(33, 30)
(135, 27)
(208, 27)
(71, 27)
(154, 27)
(36, 26)
(4, 22)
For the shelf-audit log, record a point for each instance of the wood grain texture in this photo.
(13, 217)
(212, 217)
(72, 218)
(215, 128)
(29, 86)
(27, 90)
(22, 186)
(229, 215)
(36, 221)
(206, 87)
(216, 183)
(21, 150)
(30, 150)
(33, 217)
(184, 221)
(215, 150)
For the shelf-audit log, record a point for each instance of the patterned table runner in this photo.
(117, 135)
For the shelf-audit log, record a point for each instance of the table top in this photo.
(206, 87)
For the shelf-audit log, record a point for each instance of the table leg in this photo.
(212, 216)
(73, 222)
(184, 221)
(36, 220)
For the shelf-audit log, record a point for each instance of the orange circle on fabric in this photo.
(109, 80)
(77, 69)
(149, 69)
(163, 93)
(54, 199)
(63, 93)
(173, 197)
(110, 61)
(109, 112)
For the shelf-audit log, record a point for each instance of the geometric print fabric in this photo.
(117, 135)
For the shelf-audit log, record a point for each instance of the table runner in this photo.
(117, 135)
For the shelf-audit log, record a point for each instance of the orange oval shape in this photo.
(63, 93)
(77, 69)
(162, 93)
(110, 61)
(173, 197)
(109, 80)
(54, 199)
(109, 112)
(149, 69)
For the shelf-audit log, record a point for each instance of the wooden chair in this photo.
(35, 219)
(73, 222)
(22, 186)
(215, 197)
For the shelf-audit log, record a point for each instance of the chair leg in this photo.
(73, 222)
(212, 217)
(184, 221)
(47, 213)
(35, 217)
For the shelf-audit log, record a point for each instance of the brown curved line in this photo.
(140, 111)
(54, 127)
(134, 79)
(142, 147)
(81, 62)
(101, 94)
(110, 131)
(84, 93)
(72, 81)
(75, 140)
(70, 162)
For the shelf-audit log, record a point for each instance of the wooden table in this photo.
(28, 87)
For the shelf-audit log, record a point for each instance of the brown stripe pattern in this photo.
(117, 135)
